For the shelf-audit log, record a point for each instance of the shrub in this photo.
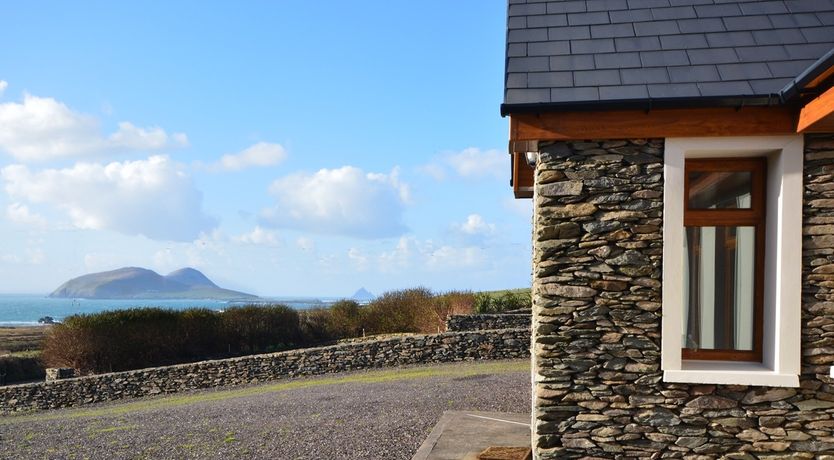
(115, 340)
(143, 337)
(396, 311)
(200, 329)
(486, 302)
(254, 328)
(345, 319)
(14, 369)
(432, 316)
(315, 326)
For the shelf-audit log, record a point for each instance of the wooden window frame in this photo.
(755, 216)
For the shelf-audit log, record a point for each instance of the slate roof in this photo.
(595, 52)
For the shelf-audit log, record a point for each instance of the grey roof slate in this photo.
(581, 51)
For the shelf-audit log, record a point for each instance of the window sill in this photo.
(729, 373)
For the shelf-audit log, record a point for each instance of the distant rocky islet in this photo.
(363, 295)
(141, 283)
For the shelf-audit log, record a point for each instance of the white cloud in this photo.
(471, 162)
(130, 137)
(400, 257)
(11, 259)
(413, 254)
(41, 128)
(103, 261)
(259, 236)
(450, 257)
(474, 162)
(522, 208)
(345, 201)
(359, 259)
(3, 85)
(35, 256)
(434, 170)
(152, 197)
(164, 259)
(475, 225)
(20, 213)
(260, 154)
(208, 249)
(212, 243)
(180, 139)
(305, 244)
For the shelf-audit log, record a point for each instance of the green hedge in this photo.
(501, 301)
(16, 369)
(144, 337)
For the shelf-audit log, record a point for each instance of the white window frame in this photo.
(781, 347)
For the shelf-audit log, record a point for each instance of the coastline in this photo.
(22, 325)
(24, 310)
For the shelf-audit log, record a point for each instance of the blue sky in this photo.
(284, 148)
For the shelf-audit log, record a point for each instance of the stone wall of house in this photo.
(417, 349)
(487, 321)
(598, 389)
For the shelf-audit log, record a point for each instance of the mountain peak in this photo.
(190, 277)
(363, 294)
(141, 283)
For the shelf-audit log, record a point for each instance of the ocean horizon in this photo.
(27, 309)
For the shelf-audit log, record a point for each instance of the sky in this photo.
(284, 148)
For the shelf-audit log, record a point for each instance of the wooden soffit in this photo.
(656, 123)
(818, 115)
(522, 175)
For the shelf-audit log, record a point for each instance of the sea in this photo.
(27, 309)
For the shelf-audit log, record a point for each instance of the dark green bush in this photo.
(396, 311)
(315, 326)
(143, 337)
(345, 319)
(200, 329)
(15, 369)
(486, 302)
(253, 328)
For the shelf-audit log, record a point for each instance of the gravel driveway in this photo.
(382, 414)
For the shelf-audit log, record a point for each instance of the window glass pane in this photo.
(720, 190)
(719, 271)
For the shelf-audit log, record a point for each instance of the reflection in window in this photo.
(720, 189)
(719, 270)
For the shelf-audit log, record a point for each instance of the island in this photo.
(362, 295)
(141, 283)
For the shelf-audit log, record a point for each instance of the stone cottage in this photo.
(680, 159)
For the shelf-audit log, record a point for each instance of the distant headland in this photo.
(141, 283)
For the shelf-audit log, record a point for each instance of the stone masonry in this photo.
(415, 349)
(598, 389)
(485, 322)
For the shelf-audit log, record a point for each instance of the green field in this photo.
(15, 340)
(497, 294)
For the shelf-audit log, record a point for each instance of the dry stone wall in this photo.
(598, 389)
(486, 322)
(418, 349)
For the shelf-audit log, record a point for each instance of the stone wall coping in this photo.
(295, 352)
(492, 315)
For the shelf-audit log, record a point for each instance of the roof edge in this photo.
(795, 87)
(646, 104)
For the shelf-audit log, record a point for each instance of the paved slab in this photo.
(461, 435)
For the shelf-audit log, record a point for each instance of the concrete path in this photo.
(461, 435)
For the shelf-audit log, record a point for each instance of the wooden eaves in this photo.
(816, 115)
